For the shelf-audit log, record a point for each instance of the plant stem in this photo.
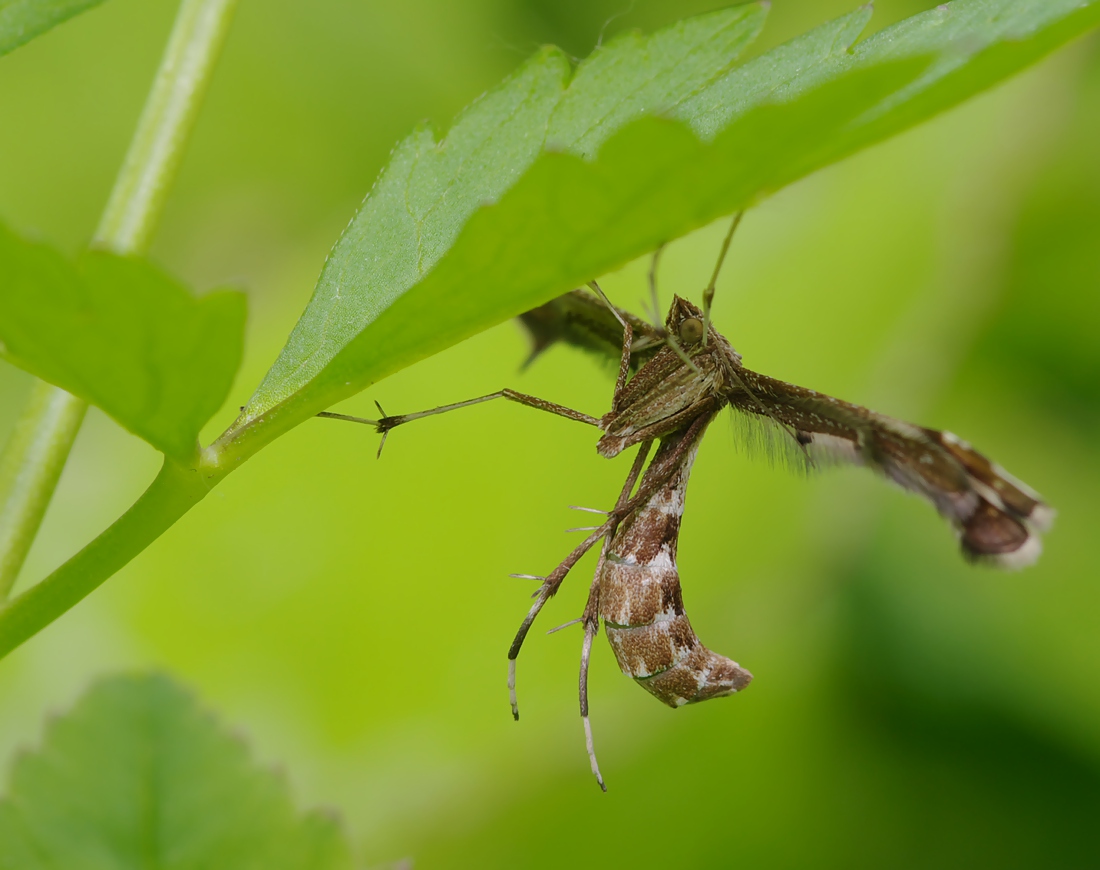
(174, 491)
(31, 462)
(29, 469)
(169, 115)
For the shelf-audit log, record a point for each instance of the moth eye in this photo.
(691, 330)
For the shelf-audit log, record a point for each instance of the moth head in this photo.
(681, 312)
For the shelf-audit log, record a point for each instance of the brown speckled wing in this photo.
(998, 519)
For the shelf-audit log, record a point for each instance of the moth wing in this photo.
(998, 518)
(580, 319)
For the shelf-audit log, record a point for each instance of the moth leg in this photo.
(591, 616)
(553, 581)
(708, 294)
(547, 591)
(624, 505)
(655, 478)
(385, 423)
(679, 351)
(628, 342)
(654, 299)
(591, 620)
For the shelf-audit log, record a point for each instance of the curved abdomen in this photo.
(641, 603)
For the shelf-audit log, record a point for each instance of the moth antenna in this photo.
(653, 297)
(574, 507)
(566, 625)
(708, 294)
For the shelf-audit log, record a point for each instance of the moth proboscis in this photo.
(684, 373)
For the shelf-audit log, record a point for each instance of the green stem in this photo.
(32, 460)
(29, 469)
(174, 491)
(169, 115)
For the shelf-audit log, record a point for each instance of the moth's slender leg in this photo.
(549, 587)
(653, 297)
(569, 624)
(554, 580)
(625, 505)
(332, 415)
(708, 294)
(654, 479)
(591, 616)
(628, 341)
(591, 621)
(385, 423)
(679, 351)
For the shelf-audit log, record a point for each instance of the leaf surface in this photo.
(122, 335)
(23, 20)
(557, 217)
(137, 776)
(429, 189)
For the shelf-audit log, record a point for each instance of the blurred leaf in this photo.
(565, 219)
(23, 20)
(136, 775)
(1045, 331)
(122, 335)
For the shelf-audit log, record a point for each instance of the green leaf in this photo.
(122, 335)
(137, 776)
(429, 190)
(779, 76)
(23, 20)
(636, 75)
(566, 217)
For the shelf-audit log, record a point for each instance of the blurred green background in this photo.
(351, 616)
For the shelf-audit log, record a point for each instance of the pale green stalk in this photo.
(34, 456)
(29, 469)
(166, 122)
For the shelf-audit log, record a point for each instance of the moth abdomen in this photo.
(652, 638)
(642, 606)
(699, 676)
(667, 659)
